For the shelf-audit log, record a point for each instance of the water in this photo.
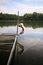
(29, 34)
(32, 40)
(8, 30)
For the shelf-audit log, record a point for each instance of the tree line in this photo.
(26, 17)
(35, 17)
(8, 16)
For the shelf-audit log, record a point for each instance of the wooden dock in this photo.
(4, 37)
(6, 42)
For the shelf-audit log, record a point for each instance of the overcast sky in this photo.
(24, 6)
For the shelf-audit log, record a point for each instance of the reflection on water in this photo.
(29, 31)
(30, 35)
(8, 30)
(32, 40)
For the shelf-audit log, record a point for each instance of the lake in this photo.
(28, 33)
(32, 40)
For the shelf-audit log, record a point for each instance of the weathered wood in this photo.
(12, 52)
(6, 37)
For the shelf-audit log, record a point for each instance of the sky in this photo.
(23, 6)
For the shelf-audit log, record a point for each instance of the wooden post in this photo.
(12, 52)
(18, 22)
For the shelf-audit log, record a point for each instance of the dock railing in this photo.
(12, 51)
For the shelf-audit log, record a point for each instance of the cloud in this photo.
(4, 9)
(4, 1)
(33, 0)
(23, 8)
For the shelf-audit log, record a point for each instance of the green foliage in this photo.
(8, 17)
(27, 17)
(35, 17)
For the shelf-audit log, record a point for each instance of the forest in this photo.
(34, 19)
(26, 17)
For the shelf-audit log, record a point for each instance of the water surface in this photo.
(30, 37)
(32, 40)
